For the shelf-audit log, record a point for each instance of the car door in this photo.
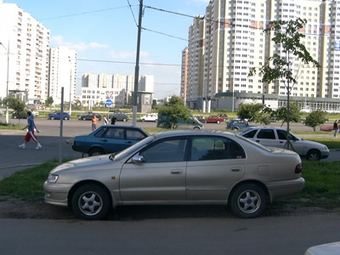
(267, 137)
(161, 177)
(296, 143)
(132, 136)
(113, 139)
(215, 164)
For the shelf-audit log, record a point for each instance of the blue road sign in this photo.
(108, 103)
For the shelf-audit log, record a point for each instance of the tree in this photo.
(315, 118)
(16, 104)
(173, 110)
(287, 34)
(49, 101)
(255, 112)
(294, 115)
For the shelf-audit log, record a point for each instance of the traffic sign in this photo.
(108, 103)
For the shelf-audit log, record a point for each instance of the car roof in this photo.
(191, 132)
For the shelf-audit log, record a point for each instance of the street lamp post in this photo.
(7, 79)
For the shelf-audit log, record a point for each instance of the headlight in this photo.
(52, 178)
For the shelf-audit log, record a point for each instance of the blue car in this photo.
(107, 139)
(57, 115)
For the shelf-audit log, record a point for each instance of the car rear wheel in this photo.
(91, 202)
(52, 118)
(83, 118)
(125, 120)
(96, 152)
(313, 155)
(218, 122)
(248, 201)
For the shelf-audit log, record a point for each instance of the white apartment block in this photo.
(184, 74)
(97, 88)
(62, 74)
(234, 42)
(24, 55)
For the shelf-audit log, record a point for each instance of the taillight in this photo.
(298, 169)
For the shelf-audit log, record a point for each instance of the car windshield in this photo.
(135, 147)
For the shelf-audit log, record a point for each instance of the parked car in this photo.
(120, 117)
(57, 116)
(277, 137)
(35, 113)
(178, 167)
(108, 139)
(201, 119)
(89, 116)
(150, 117)
(191, 123)
(214, 119)
(324, 249)
(237, 124)
(326, 128)
(19, 115)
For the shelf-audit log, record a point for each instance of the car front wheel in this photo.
(125, 120)
(248, 201)
(91, 202)
(313, 155)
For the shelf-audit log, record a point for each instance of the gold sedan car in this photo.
(178, 167)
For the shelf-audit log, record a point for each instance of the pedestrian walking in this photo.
(335, 127)
(30, 132)
(113, 120)
(105, 120)
(94, 122)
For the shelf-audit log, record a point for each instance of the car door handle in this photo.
(257, 141)
(176, 171)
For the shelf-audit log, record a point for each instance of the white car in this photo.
(324, 249)
(150, 117)
(277, 137)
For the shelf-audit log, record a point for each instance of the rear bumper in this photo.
(285, 189)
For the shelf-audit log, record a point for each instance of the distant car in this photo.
(119, 117)
(58, 115)
(277, 137)
(150, 117)
(324, 249)
(1, 112)
(19, 115)
(88, 116)
(35, 113)
(178, 167)
(214, 119)
(201, 119)
(326, 128)
(237, 124)
(108, 139)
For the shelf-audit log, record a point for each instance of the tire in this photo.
(125, 120)
(52, 118)
(143, 120)
(248, 201)
(313, 155)
(83, 118)
(218, 122)
(91, 202)
(196, 128)
(96, 152)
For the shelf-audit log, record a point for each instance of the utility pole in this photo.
(135, 91)
(7, 80)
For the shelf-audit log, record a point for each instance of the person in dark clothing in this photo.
(113, 120)
(335, 127)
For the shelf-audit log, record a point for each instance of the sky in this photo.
(104, 34)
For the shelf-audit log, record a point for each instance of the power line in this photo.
(126, 62)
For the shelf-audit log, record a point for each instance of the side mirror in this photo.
(138, 159)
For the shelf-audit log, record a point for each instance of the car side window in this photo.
(101, 132)
(114, 133)
(250, 134)
(266, 134)
(282, 134)
(212, 148)
(167, 150)
(134, 135)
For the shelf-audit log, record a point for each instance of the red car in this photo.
(326, 128)
(214, 119)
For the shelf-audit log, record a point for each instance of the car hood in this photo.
(90, 163)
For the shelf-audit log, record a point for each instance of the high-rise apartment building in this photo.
(184, 75)
(24, 55)
(97, 88)
(233, 42)
(62, 73)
